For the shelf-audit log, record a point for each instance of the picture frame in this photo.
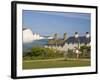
(20, 10)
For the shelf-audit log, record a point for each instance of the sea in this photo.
(28, 46)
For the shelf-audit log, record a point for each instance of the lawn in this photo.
(55, 63)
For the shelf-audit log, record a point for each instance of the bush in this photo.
(86, 51)
(42, 53)
(71, 54)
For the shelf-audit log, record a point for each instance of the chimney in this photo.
(87, 35)
(55, 36)
(65, 36)
(76, 35)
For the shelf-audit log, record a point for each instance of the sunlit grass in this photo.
(55, 63)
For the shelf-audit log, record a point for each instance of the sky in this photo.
(48, 23)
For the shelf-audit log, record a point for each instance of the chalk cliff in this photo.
(28, 36)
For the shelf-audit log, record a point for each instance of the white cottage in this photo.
(69, 43)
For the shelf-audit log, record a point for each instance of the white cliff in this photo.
(37, 37)
(28, 36)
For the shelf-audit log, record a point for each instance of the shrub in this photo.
(86, 51)
(42, 53)
(71, 54)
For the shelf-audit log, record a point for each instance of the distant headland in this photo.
(29, 36)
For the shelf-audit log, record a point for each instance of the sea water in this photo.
(28, 46)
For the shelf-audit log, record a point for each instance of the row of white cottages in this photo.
(70, 43)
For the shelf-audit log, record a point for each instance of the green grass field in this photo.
(55, 63)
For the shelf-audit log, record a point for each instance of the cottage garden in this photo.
(71, 51)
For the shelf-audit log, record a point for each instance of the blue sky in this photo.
(48, 23)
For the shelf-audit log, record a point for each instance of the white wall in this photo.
(5, 41)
